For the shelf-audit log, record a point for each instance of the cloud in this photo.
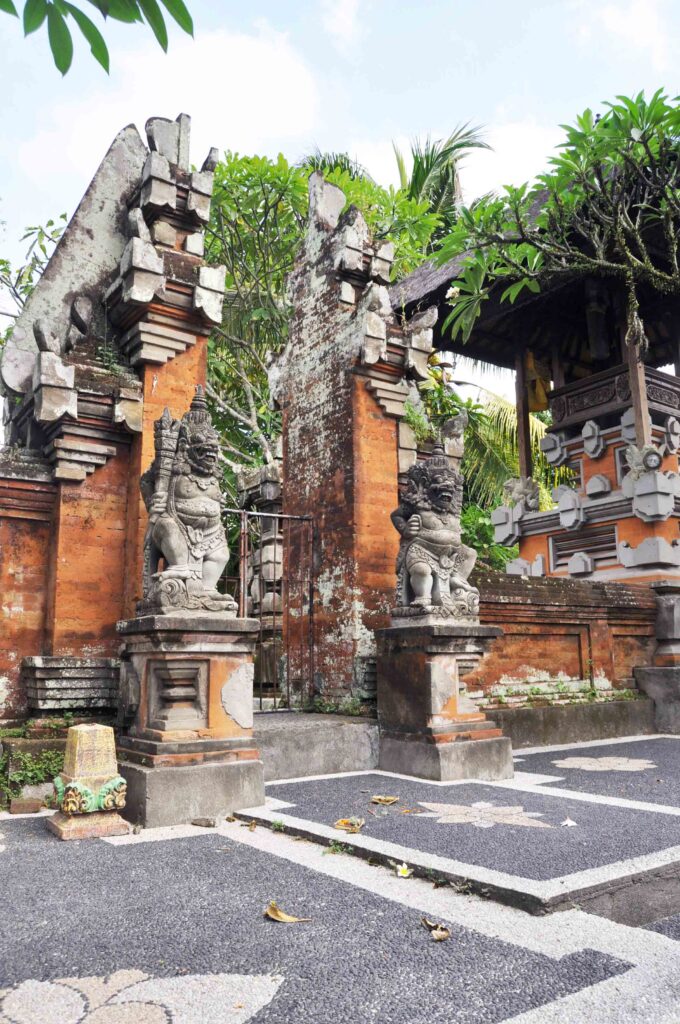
(641, 27)
(244, 92)
(520, 151)
(340, 19)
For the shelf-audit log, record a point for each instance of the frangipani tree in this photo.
(608, 208)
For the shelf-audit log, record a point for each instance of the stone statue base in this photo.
(88, 826)
(187, 698)
(428, 726)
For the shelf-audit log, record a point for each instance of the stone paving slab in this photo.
(478, 823)
(646, 769)
(151, 932)
(532, 841)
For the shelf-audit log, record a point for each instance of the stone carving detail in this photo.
(523, 492)
(643, 460)
(663, 396)
(182, 494)
(522, 567)
(558, 408)
(672, 434)
(593, 442)
(433, 565)
(652, 552)
(77, 798)
(623, 387)
(569, 507)
(553, 447)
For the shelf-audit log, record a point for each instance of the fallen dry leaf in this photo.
(350, 825)
(250, 825)
(274, 913)
(439, 932)
(386, 801)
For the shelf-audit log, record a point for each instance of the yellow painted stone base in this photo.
(88, 826)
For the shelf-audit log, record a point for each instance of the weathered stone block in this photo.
(171, 796)
(487, 759)
(91, 826)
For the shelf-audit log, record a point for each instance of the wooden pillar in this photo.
(638, 394)
(522, 400)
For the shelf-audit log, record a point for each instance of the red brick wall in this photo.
(87, 563)
(552, 626)
(25, 514)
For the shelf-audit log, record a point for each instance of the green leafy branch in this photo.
(608, 208)
(55, 14)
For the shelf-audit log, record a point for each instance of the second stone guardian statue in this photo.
(433, 564)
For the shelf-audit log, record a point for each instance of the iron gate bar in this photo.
(299, 647)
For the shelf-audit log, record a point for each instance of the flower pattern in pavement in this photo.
(483, 815)
(605, 764)
(132, 997)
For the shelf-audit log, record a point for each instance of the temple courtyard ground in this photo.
(558, 890)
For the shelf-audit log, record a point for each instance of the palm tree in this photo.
(491, 453)
(435, 176)
(328, 161)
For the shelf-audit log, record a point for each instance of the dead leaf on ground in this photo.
(274, 913)
(350, 825)
(439, 932)
(250, 825)
(386, 801)
(230, 817)
(374, 862)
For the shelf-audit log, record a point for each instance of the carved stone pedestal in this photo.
(89, 792)
(428, 726)
(187, 694)
(661, 681)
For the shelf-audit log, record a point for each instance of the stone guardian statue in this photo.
(433, 564)
(182, 494)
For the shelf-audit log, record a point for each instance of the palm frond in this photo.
(330, 161)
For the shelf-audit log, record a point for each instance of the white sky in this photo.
(349, 75)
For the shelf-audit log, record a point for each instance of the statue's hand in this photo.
(158, 504)
(412, 528)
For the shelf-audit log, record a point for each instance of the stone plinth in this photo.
(187, 697)
(428, 726)
(89, 791)
(661, 681)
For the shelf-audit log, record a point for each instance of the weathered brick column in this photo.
(341, 384)
(115, 331)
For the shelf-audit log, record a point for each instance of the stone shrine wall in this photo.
(115, 331)
(563, 631)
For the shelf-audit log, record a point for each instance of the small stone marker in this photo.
(89, 791)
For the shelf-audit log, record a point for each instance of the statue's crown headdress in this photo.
(197, 421)
(438, 461)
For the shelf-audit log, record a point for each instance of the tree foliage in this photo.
(18, 282)
(434, 177)
(55, 15)
(609, 208)
(491, 454)
(258, 218)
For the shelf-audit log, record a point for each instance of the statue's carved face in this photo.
(441, 491)
(203, 453)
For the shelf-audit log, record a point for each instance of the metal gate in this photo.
(270, 576)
